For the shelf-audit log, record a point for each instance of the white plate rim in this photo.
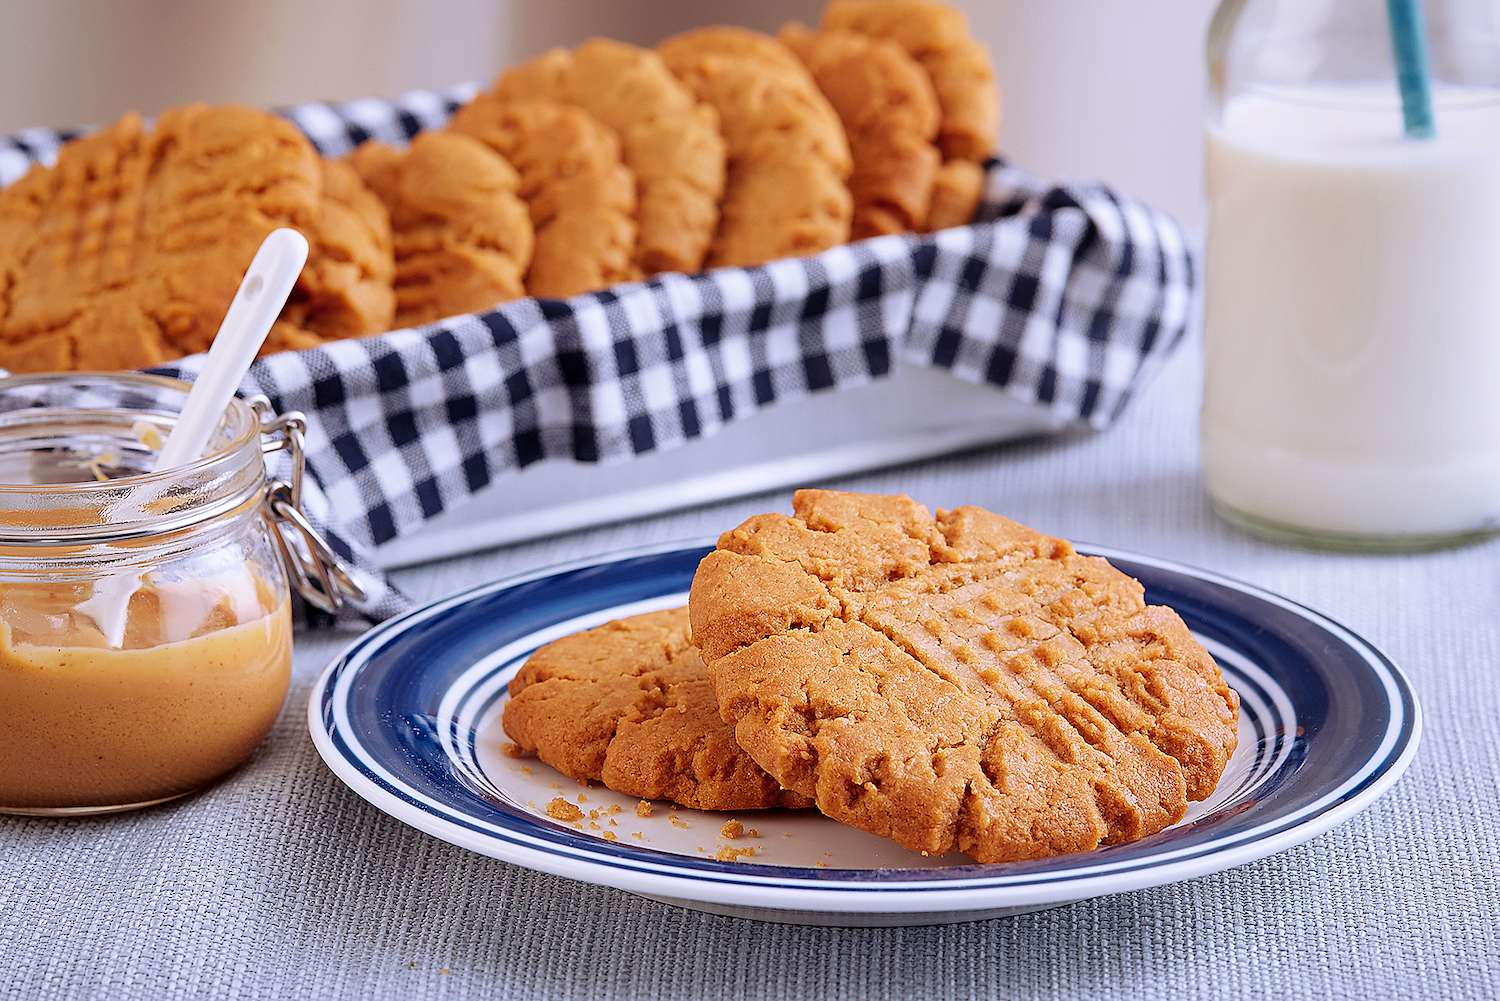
(984, 893)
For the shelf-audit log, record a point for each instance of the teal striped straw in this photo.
(1413, 66)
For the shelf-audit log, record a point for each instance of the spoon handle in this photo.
(256, 305)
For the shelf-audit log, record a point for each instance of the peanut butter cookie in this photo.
(890, 115)
(463, 236)
(785, 193)
(957, 188)
(937, 36)
(127, 252)
(629, 704)
(580, 195)
(669, 139)
(345, 288)
(959, 682)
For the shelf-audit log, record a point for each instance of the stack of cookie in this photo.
(725, 147)
(575, 171)
(958, 682)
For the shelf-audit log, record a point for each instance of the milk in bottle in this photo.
(1352, 295)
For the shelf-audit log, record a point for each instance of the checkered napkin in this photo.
(1067, 297)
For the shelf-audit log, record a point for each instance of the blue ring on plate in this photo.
(1357, 719)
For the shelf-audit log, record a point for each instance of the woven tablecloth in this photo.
(280, 882)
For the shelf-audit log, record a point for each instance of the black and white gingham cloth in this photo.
(1067, 297)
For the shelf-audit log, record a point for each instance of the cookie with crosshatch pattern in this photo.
(890, 114)
(937, 36)
(462, 235)
(629, 704)
(668, 139)
(786, 191)
(128, 250)
(958, 682)
(580, 194)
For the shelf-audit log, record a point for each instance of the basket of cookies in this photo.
(605, 253)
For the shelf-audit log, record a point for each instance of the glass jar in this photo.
(1352, 305)
(145, 627)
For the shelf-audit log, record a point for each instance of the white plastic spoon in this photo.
(254, 309)
(246, 325)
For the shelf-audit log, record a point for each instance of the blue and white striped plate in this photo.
(407, 717)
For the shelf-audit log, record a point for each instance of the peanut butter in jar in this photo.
(93, 726)
(145, 624)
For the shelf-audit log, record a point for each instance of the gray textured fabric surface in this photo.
(280, 882)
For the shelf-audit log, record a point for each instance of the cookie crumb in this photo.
(561, 809)
(613, 809)
(511, 750)
(677, 822)
(147, 434)
(525, 769)
(731, 829)
(608, 836)
(635, 834)
(643, 808)
(821, 865)
(729, 853)
(752, 833)
(582, 798)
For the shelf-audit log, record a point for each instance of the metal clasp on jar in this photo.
(315, 570)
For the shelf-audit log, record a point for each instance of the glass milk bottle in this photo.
(1352, 286)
